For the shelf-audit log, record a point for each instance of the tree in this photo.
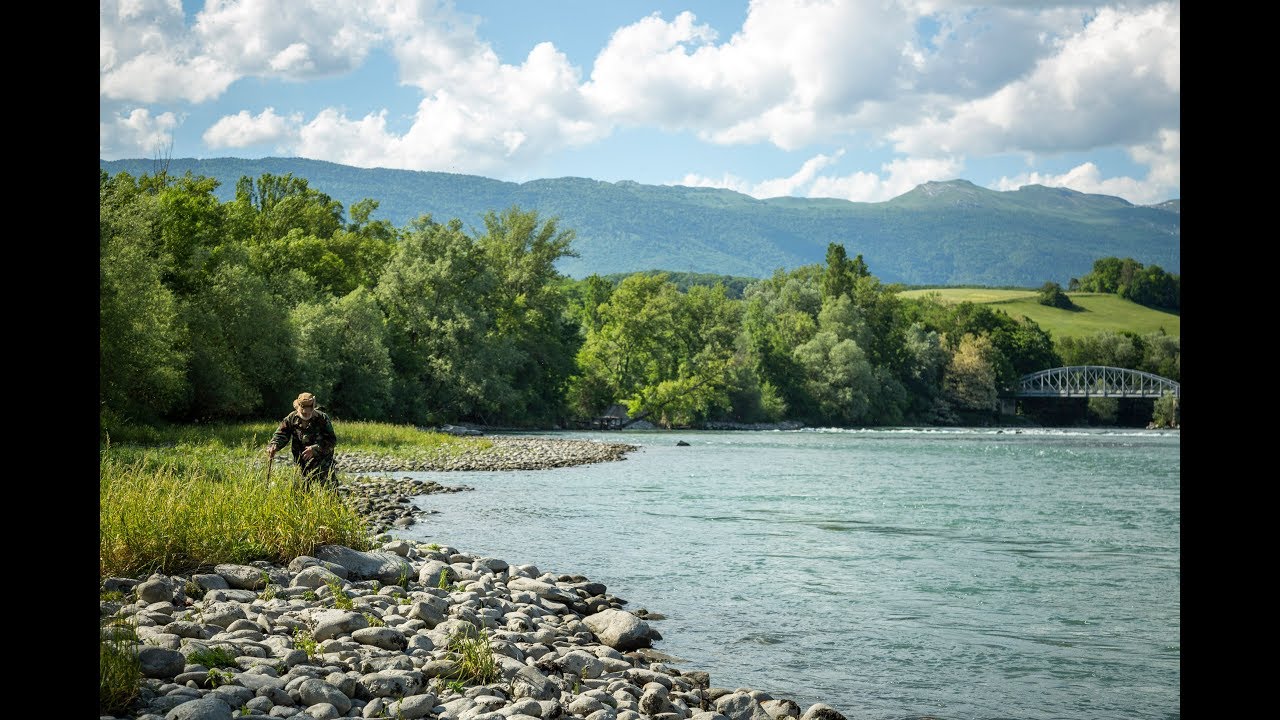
(970, 380)
(342, 355)
(436, 330)
(1166, 413)
(1051, 294)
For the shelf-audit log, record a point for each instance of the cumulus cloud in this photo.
(899, 176)
(243, 129)
(136, 133)
(1114, 83)
(935, 80)
(1160, 184)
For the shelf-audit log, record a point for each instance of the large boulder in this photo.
(619, 629)
(387, 568)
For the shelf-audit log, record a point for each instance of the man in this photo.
(311, 440)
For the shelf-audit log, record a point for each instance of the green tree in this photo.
(436, 329)
(533, 340)
(970, 379)
(1167, 413)
(1051, 294)
(141, 339)
(342, 355)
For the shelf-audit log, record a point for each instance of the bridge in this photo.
(1095, 381)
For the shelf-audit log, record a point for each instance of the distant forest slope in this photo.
(1098, 312)
(940, 233)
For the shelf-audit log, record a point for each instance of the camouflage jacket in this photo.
(316, 433)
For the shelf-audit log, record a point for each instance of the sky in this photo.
(861, 100)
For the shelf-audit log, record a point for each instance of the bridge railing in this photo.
(1095, 381)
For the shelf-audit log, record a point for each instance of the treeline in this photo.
(1150, 286)
(222, 310)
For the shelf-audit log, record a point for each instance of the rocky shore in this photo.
(386, 502)
(400, 631)
(393, 633)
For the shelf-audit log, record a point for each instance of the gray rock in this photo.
(619, 629)
(242, 577)
(316, 692)
(530, 683)
(385, 567)
(156, 588)
(202, 709)
(382, 637)
(159, 662)
(821, 711)
(332, 623)
(740, 706)
(316, 576)
(415, 706)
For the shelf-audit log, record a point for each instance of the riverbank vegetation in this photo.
(176, 498)
(218, 311)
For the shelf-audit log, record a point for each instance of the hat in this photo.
(305, 399)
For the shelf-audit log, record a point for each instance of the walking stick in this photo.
(271, 460)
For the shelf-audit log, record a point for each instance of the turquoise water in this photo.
(958, 573)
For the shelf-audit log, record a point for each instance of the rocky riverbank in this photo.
(410, 630)
(407, 631)
(386, 502)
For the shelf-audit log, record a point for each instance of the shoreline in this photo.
(371, 634)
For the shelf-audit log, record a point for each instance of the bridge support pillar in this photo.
(1008, 406)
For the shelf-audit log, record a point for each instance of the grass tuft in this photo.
(119, 669)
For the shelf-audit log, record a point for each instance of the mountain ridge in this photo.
(940, 232)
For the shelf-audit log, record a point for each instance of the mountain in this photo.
(940, 233)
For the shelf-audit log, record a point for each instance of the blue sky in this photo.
(855, 99)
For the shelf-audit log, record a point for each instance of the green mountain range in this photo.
(940, 233)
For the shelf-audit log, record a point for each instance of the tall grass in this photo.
(119, 668)
(175, 498)
(173, 510)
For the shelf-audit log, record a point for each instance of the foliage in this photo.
(119, 668)
(1051, 294)
(217, 309)
(306, 642)
(1166, 413)
(970, 378)
(172, 510)
(473, 656)
(942, 233)
(1128, 278)
(341, 599)
(213, 657)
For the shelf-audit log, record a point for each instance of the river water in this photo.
(958, 573)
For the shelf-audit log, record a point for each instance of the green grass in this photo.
(173, 499)
(119, 669)
(1098, 312)
(171, 511)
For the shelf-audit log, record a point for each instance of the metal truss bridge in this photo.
(1095, 381)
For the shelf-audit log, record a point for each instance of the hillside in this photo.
(1099, 312)
(940, 233)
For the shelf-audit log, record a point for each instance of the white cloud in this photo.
(293, 40)
(1160, 184)
(1116, 82)
(243, 129)
(936, 80)
(899, 177)
(135, 134)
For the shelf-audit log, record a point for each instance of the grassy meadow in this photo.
(1098, 312)
(175, 499)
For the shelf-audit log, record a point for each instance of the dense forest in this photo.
(219, 310)
(939, 233)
